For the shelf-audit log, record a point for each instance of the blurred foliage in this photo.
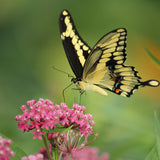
(154, 154)
(153, 57)
(30, 44)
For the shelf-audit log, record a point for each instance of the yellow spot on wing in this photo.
(126, 88)
(122, 37)
(82, 60)
(106, 55)
(80, 42)
(104, 60)
(123, 33)
(124, 94)
(74, 40)
(120, 48)
(62, 37)
(117, 53)
(77, 46)
(119, 62)
(118, 57)
(80, 52)
(66, 20)
(65, 13)
(121, 42)
(135, 79)
(118, 66)
(72, 34)
(120, 30)
(85, 48)
(130, 73)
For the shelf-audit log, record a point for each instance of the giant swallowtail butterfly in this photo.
(101, 67)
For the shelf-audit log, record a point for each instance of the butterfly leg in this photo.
(85, 102)
(80, 94)
(74, 94)
(64, 91)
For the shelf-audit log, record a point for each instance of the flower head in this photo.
(44, 114)
(37, 156)
(88, 154)
(5, 150)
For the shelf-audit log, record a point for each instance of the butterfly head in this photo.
(74, 80)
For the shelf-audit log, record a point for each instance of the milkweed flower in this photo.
(43, 114)
(88, 153)
(37, 156)
(5, 150)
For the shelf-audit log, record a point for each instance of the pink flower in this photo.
(38, 134)
(88, 154)
(5, 150)
(37, 156)
(43, 114)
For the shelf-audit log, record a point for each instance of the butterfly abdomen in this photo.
(88, 86)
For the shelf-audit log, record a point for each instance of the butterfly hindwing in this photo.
(76, 49)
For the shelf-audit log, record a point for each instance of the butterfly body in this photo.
(101, 68)
(84, 86)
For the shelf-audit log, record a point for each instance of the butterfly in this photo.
(102, 67)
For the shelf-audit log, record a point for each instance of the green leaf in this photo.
(154, 154)
(19, 153)
(67, 129)
(153, 57)
(61, 130)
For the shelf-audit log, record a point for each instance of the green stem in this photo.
(47, 147)
(56, 155)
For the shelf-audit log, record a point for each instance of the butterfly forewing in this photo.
(109, 51)
(76, 49)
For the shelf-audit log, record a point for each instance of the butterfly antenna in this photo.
(64, 90)
(69, 75)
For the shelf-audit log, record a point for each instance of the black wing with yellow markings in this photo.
(76, 49)
(105, 66)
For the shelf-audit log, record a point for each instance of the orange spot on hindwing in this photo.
(117, 91)
(114, 78)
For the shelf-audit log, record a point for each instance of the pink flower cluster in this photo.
(37, 156)
(88, 153)
(5, 150)
(43, 114)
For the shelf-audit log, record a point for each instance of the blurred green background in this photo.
(30, 44)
